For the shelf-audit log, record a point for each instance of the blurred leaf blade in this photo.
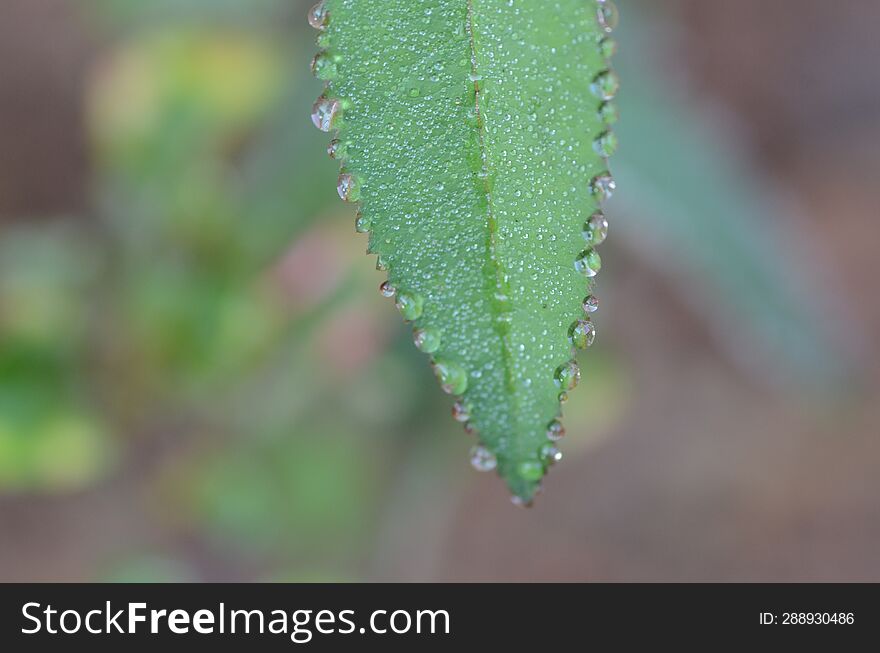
(695, 208)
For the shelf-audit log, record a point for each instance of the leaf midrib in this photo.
(491, 224)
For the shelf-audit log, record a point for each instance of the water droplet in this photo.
(531, 470)
(482, 459)
(323, 66)
(582, 334)
(605, 85)
(555, 431)
(567, 375)
(588, 263)
(427, 339)
(607, 15)
(324, 113)
(460, 412)
(337, 149)
(410, 305)
(387, 290)
(381, 265)
(453, 379)
(414, 92)
(362, 225)
(608, 113)
(318, 15)
(608, 47)
(519, 502)
(605, 144)
(591, 304)
(550, 454)
(348, 188)
(596, 229)
(602, 186)
(563, 397)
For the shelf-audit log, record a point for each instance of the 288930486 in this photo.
(807, 618)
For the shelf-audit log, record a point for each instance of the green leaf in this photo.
(473, 135)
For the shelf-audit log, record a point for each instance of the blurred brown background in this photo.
(198, 380)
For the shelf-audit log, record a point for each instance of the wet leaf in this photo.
(473, 134)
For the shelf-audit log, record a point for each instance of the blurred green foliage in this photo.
(49, 436)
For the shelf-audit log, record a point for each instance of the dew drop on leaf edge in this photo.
(582, 334)
(386, 289)
(596, 229)
(427, 339)
(452, 376)
(555, 431)
(608, 47)
(588, 263)
(362, 224)
(460, 412)
(568, 375)
(348, 188)
(602, 186)
(607, 15)
(482, 459)
(605, 85)
(324, 113)
(323, 66)
(591, 304)
(608, 113)
(549, 453)
(605, 144)
(410, 305)
(337, 149)
(318, 15)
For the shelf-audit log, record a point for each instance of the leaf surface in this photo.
(473, 135)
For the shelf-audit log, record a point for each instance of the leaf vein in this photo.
(491, 223)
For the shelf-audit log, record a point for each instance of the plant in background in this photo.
(474, 137)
